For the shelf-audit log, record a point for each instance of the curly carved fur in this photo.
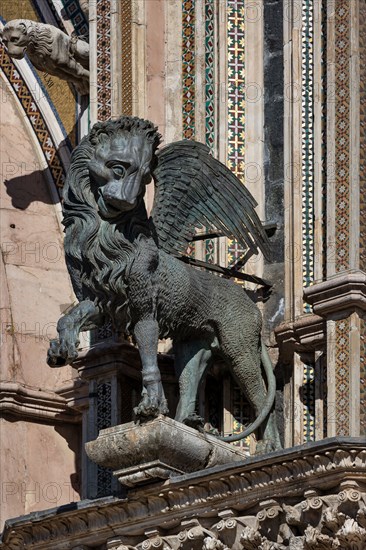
(49, 49)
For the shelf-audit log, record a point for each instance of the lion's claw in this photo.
(151, 407)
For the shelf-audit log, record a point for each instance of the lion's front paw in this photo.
(61, 353)
(150, 407)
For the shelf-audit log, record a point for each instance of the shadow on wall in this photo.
(31, 186)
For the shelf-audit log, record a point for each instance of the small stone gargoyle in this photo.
(125, 266)
(49, 49)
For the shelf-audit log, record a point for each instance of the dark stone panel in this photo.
(274, 158)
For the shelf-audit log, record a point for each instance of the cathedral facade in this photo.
(276, 90)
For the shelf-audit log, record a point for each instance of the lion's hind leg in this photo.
(191, 361)
(246, 367)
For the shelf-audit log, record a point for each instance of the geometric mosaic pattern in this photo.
(188, 68)
(75, 14)
(235, 251)
(189, 80)
(58, 21)
(127, 95)
(236, 84)
(35, 118)
(104, 83)
(308, 399)
(342, 354)
(236, 100)
(210, 74)
(342, 132)
(307, 144)
(210, 98)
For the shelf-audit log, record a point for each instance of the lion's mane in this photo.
(99, 251)
(39, 35)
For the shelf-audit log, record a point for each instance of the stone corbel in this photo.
(49, 49)
(342, 294)
(311, 508)
(303, 335)
(193, 535)
(349, 498)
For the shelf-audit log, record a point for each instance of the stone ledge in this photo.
(344, 292)
(267, 500)
(304, 334)
(157, 450)
(17, 399)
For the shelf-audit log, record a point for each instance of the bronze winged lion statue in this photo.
(124, 265)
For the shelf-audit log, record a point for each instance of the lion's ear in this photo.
(23, 27)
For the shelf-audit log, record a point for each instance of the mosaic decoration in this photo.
(236, 100)
(41, 14)
(341, 406)
(342, 133)
(363, 378)
(104, 84)
(210, 99)
(127, 92)
(104, 420)
(235, 251)
(34, 116)
(307, 145)
(189, 80)
(188, 68)
(210, 74)
(236, 84)
(362, 39)
(308, 399)
(74, 13)
(210, 249)
(70, 11)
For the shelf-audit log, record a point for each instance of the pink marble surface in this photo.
(34, 290)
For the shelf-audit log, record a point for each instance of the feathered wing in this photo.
(193, 189)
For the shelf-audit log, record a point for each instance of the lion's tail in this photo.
(271, 394)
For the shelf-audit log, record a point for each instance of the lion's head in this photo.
(123, 153)
(21, 36)
(103, 199)
(15, 38)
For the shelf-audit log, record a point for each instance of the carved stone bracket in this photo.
(343, 293)
(305, 334)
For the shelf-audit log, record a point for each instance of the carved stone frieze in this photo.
(311, 497)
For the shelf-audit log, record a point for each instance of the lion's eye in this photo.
(119, 170)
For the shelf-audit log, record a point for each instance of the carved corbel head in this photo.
(15, 38)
